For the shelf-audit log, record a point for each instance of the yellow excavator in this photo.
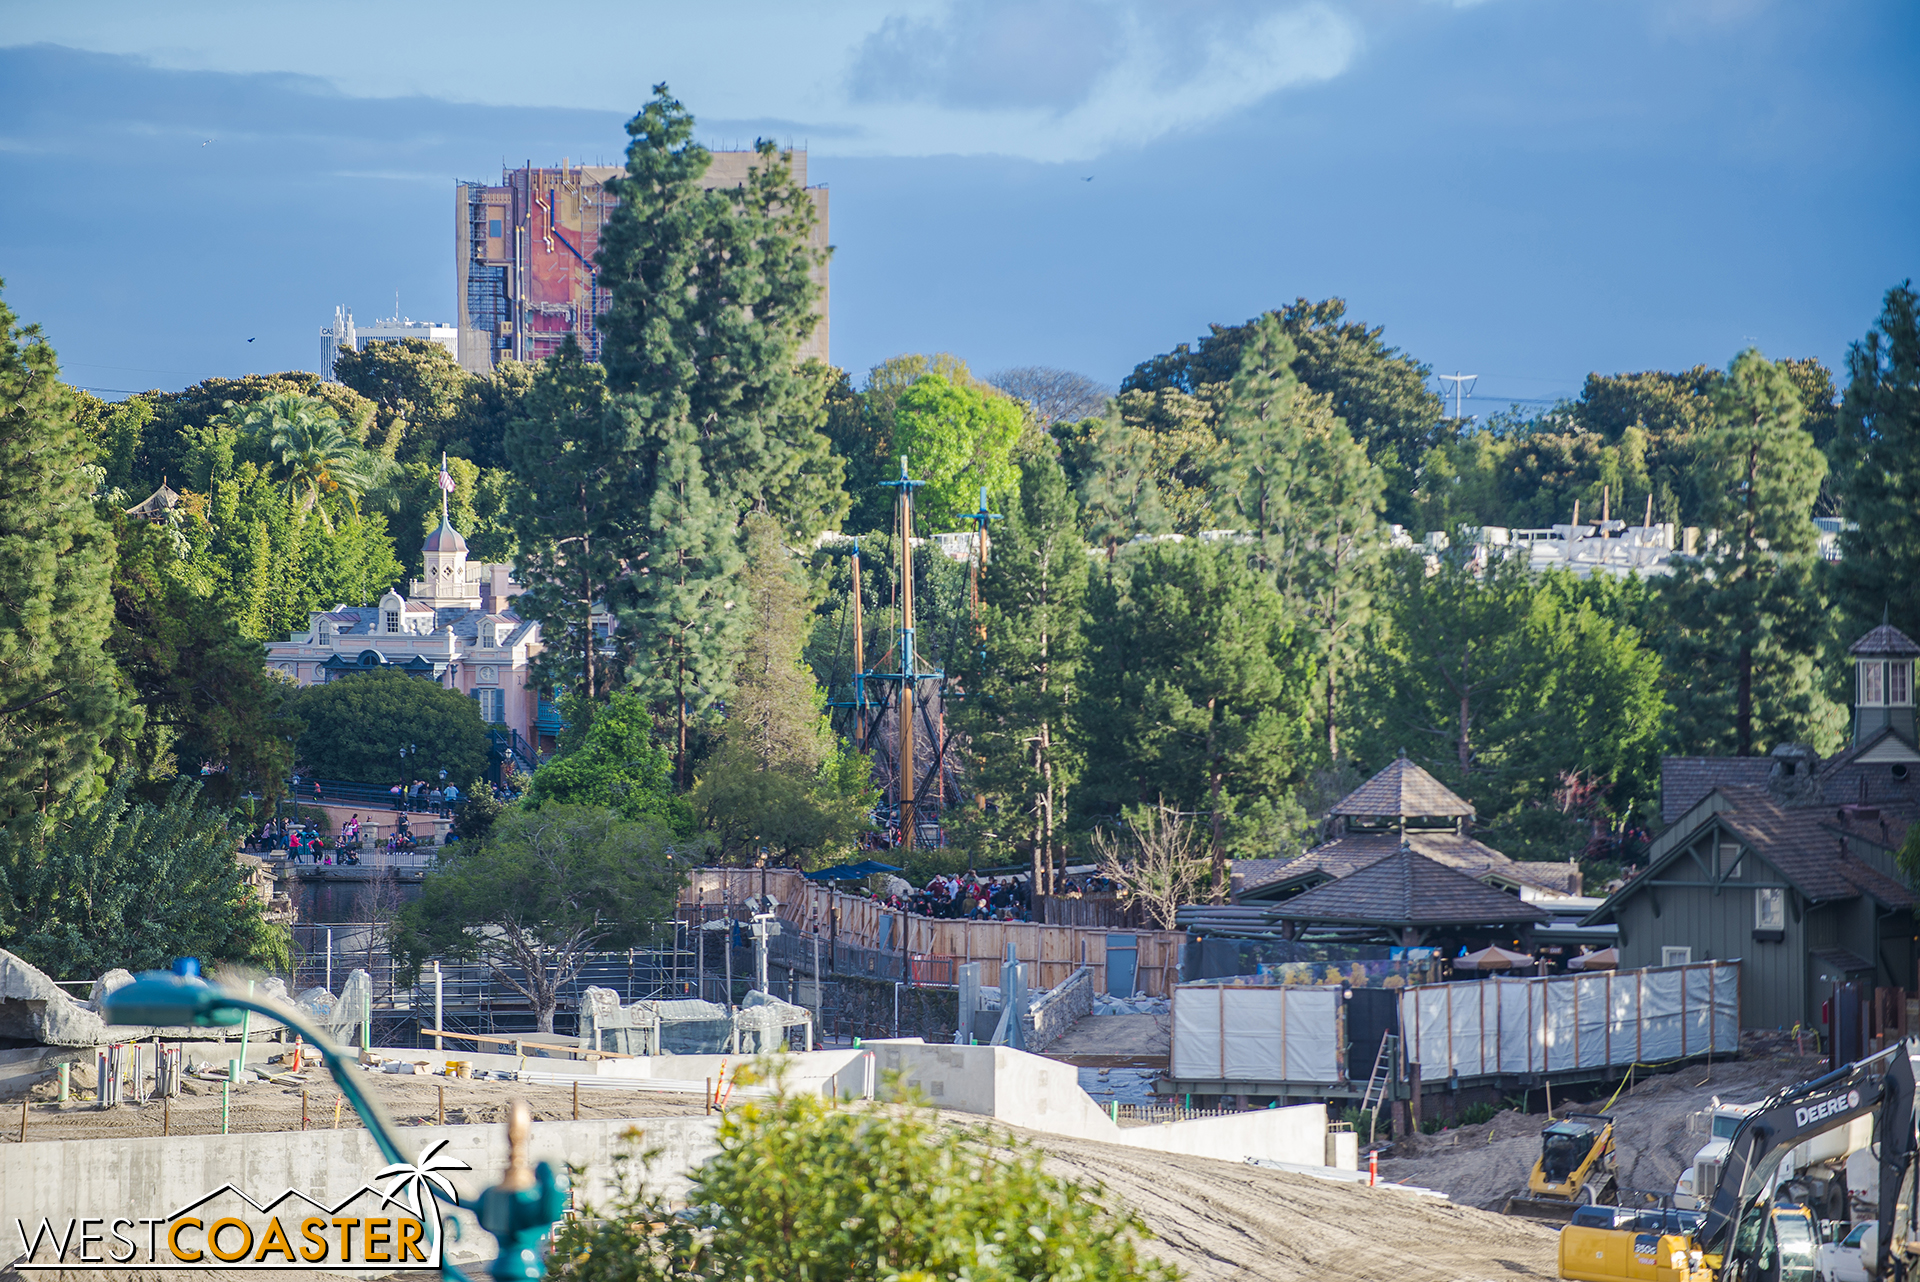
(1749, 1229)
(1576, 1168)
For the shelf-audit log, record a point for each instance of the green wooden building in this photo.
(1786, 862)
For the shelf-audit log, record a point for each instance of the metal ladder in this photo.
(1377, 1084)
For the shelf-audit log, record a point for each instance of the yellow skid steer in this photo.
(1576, 1168)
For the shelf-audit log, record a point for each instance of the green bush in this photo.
(1474, 1114)
(356, 728)
(805, 1190)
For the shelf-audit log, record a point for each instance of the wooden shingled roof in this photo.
(1407, 890)
(1405, 791)
(1885, 640)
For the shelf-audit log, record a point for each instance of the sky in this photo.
(1526, 190)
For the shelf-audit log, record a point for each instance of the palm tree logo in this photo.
(411, 1180)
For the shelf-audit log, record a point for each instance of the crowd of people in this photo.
(970, 896)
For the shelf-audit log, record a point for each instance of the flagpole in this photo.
(443, 487)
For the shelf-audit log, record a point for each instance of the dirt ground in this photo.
(1483, 1165)
(265, 1106)
(1229, 1222)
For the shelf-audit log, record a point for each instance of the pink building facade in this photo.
(455, 626)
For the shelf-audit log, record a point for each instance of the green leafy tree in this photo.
(200, 682)
(494, 407)
(117, 432)
(1021, 686)
(960, 441)
(1878, 461)
(805, 1188)
(168, 440)
(1380, 393)
(575, 511)
(1508, 686)
(861, 427)
(356, 729)
(545, 891)
(1195, 694)
(615, 764)
(1747, 612)
(61, 701)
(120, 883)
(423, 398)
(1184, 452)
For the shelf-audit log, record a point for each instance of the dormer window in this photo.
(393, 620)
(487, 635)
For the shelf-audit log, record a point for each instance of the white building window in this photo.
(1770, 908)
(493, 705)
(393, 620)
(1671, 955)
(1899, 683)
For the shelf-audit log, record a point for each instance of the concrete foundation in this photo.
(1040, 1094)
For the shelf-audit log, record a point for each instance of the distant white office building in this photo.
(344, 334)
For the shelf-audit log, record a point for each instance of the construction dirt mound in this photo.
(1486, 1164)
(1228, 1221)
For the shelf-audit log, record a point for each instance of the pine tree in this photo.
(1195, 694)
(711, 299)
(775, 712)
(1118, 494)
(680, 612)
(1305, 488)
(60, 698)
(1021, 688)
(779, 784)
(577, 510)
(1878, 465)
(1748, 610)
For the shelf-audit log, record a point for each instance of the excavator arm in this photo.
(1882, 1083)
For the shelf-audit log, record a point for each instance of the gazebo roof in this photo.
(1407, 890)
(156, 505)
(1885, 641)
(1405, 791)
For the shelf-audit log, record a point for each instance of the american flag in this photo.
(446, 477)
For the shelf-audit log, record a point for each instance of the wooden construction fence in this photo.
(1053, 952)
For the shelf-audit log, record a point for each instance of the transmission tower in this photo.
(1462, 388)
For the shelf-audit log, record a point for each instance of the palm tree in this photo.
(316, 454)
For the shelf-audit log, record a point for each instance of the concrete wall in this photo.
(155, 1176)
(1044, 1095)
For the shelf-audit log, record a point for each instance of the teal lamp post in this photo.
(518, 1211)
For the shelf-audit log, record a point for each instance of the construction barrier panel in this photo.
(1563, 1023)
(1257, 1033)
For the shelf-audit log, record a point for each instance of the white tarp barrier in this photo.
(1256, 1033)
(1562, 1023)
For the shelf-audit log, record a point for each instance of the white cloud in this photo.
(1044, 79)
(1072, 78)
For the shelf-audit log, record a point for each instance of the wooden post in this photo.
(440, 1115)
(1413, 1094)
(576, 1100)
(23, 1121)
(303, 1110)
(907, 661)
(166, 1115)
(859, 660)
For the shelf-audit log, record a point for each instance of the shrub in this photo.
(804, 1190)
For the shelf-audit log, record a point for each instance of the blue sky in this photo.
(1523, 189)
